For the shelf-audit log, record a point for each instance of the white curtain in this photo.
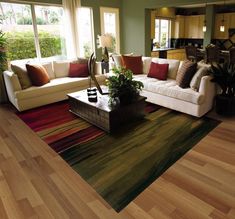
(71, 27)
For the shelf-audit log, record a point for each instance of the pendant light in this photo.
(204, 25)
(222, 28)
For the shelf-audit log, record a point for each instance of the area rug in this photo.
(121, 165)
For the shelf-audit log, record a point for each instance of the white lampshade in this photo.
(105, 40)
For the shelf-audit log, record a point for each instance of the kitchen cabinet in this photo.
(177, 27)
(155, 54)
(218, 21)
(178, 54)
(193, 27)
(231, 20)
(188, 27)
(153, 15)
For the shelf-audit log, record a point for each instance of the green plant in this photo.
(121, 85)
(3, 57)
(224, 76)
(21, 45)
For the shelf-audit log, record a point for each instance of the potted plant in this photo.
(224, 76)
(122, 86)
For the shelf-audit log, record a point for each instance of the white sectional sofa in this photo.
(165, 93)
(56, 90)
(169, 94)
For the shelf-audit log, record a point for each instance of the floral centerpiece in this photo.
(122, 87)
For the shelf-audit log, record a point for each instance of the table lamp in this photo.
(105, 41)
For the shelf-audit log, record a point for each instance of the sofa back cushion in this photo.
(196, 80)
(78, 70)
(61, 68)
(117, 59)
(37, 74)
(146, 64)
(158, 71)
(185, 73)
(49, 68)
(21, 71)
(134, 63)
(173, 66)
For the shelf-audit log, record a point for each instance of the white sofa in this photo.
(56, 90)
(169, 94)
(165, 93)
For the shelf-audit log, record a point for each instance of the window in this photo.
(110, 25)
(86, 40)
(50, 29)
(32, 31)
(162, 29)
(16, 22)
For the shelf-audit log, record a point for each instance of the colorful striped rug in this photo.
(121, 165)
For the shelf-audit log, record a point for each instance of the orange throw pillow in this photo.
(134, 63)
(37, 74)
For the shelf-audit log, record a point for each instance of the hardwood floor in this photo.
(36, 183)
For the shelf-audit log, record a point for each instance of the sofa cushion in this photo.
(49, 68)
(21, 71)
(196, 80)
(56, 85)
(37, 74)
(185, 73)
(146, 64)
(117, 60)
(170, 88)
(61, 68)
(134, 63)
(173, 66)
(158, 71)
(78, 70)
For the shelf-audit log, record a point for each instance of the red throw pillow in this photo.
(78, 70)
(37, 74)
(134, 63)
(158, 71)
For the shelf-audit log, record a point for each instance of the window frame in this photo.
(117, 28)
(169, 29)
(92, 29)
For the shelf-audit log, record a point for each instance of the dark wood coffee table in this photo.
(103, 115)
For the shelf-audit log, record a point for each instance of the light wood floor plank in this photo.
(36, 183)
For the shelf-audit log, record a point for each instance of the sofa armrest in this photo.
(12, 84)
(207, 85)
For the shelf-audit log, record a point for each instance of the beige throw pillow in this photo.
(21, 72)
(196, 80)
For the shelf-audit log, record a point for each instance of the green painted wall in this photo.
(95, 5)
(134, 20)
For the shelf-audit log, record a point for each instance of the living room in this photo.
(71, 147)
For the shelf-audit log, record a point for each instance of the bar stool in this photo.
(191, 53)
(212, 54)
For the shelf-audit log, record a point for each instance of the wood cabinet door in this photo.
(153, 15)
(231, 20)
(218, 20)
(200, 33)
(177, 27)
(191, 26)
